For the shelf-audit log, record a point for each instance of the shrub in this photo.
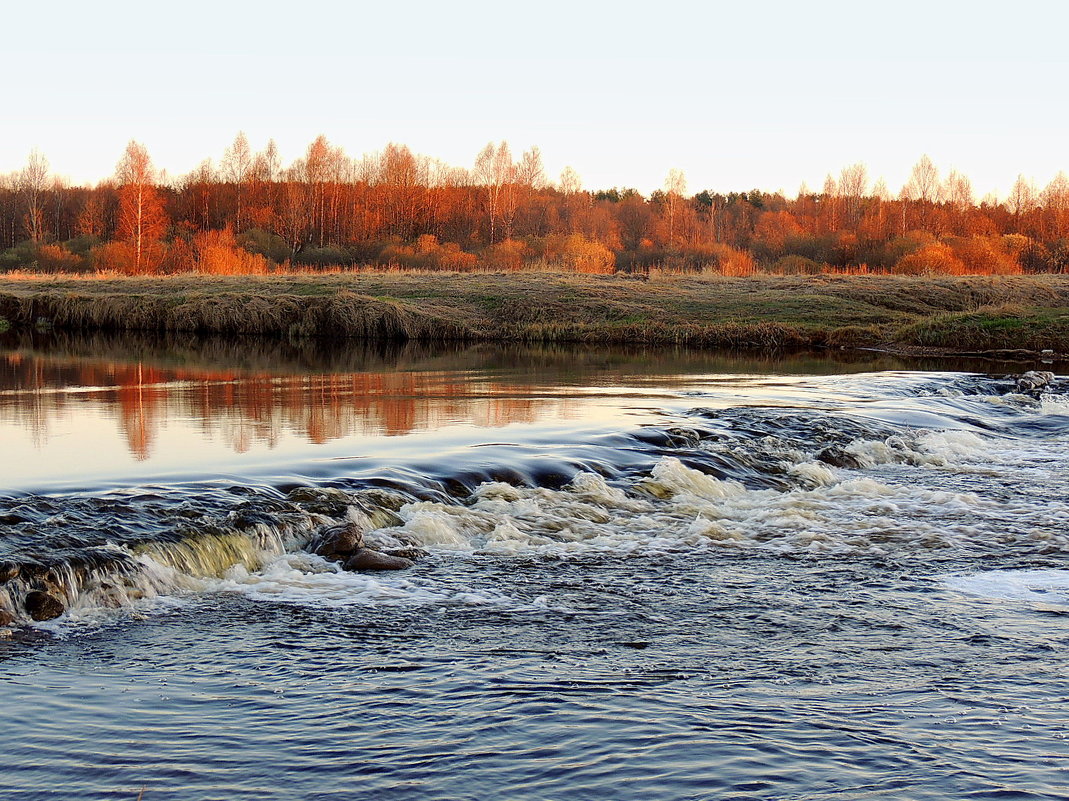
(217, 253)
(794, 264)
(933, 258)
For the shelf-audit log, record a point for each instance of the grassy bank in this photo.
(946, 313)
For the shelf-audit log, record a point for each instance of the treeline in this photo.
(397, 209)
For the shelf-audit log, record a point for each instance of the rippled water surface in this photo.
(648, 574)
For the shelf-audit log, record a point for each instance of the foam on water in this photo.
(1048, 587)
(304, 579)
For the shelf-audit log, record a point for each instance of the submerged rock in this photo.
(412, 553)
(365, 559)
(42, 606)
(837, 456)
(337, 543)
(322, 500)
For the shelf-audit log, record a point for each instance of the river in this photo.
(647, 574)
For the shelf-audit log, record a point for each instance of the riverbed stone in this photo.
(8, 571)
(42, 606)
(412, 553)
(365, 559)
(1033, 380)
(322, 500)
(337, 543)
(837, 456)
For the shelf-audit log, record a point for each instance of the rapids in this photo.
(648, 574)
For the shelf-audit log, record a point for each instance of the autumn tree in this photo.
(141, 222)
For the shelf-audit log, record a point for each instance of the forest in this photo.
(395, 209)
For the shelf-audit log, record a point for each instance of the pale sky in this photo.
(737, 95)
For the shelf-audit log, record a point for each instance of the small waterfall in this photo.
(117, 576)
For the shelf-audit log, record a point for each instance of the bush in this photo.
(217, 253)
(574, 252)
(933, 258)
(22, 256)
(794, 264)
(270, 246)
(328, 256)
(57, 259)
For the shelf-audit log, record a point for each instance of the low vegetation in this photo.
(949, 313)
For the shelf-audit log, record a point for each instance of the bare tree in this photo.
(530, 171)
(853, 184)
(31, 183)
(1022, 199)
(495, 171)
(923, 183)
(1055, 198)
(236, 168)
(675, 185)
(570, 183)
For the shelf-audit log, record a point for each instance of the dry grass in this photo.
(710, 311)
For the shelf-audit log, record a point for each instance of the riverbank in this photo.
(968, 314)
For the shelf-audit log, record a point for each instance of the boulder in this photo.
(837, 456)
(1034, 380)
(365, 559)
(412, 553)
(337, 543)
(8, 571)
(42, 606)
(322, 500)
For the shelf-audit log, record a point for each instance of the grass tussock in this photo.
(1003, 327)
(968, 312)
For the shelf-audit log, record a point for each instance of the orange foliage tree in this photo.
(141, 221)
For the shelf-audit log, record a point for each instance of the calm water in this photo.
(651, 575)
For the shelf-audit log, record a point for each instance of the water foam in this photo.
(1048, 587)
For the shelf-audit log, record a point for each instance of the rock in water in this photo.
(338, 543)
(42, 606)
(1033, 380)
(6, 618)
(365, 559)
(412, 553)
(837, 456)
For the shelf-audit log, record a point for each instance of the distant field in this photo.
(943, 313)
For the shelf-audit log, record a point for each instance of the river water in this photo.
(648, 574)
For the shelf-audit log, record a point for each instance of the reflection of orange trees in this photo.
(261, 409)
(139, 410)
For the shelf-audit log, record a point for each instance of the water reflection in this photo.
(184, 397)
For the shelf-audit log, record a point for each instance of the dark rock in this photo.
(365, 559)
(322, 500)
(8, 571)
(6, 618)
(42, 606)
(836, 456)
(407, 553)
(337, 543)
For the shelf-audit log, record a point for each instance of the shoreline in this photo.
(1019, 318)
